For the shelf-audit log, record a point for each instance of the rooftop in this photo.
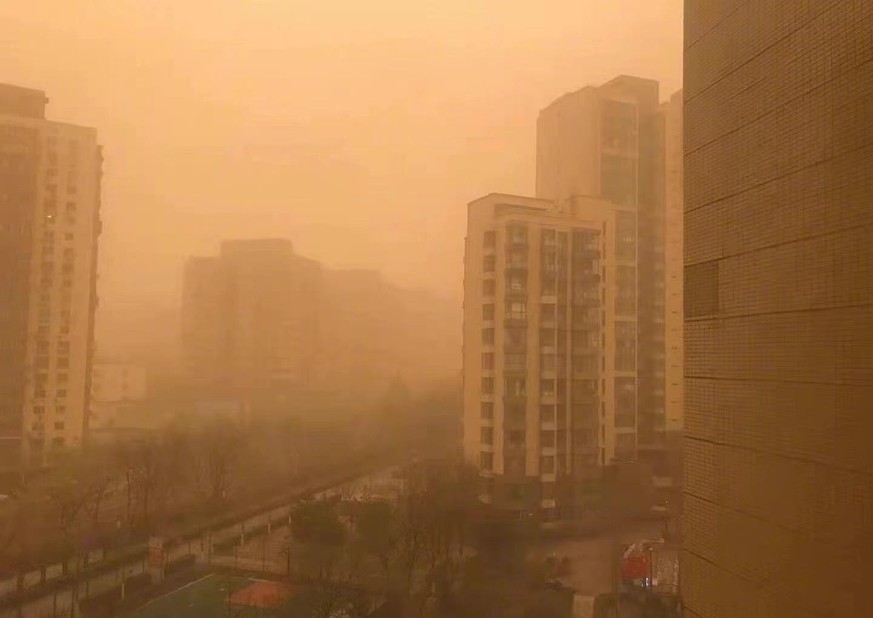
(19, 101)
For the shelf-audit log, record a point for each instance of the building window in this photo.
(59, 425)
(514, 414)
(547, 439)
(548, 490)
(517, 234)
(547, 413)
(515, 439)
(548, 239)
(39, 410)
(487, 435)
(488, 264)
(490, 239)
(487, 410)
(62, 392)
(516, 311)
(488, 386)
(488, 312)
(61, 378)
(515, 337)
(488, 287)
(488, 336)
(515, 362)
(547, 464)
(486, 461)
(547, 388)
(517, 285)
(488, 361)
(547, 362)
(60, 409)
(58, 442)
(515, 387)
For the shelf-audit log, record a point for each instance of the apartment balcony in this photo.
(586, 324)
(515, 370)
(514, 346)
(554, 323)
(516, 267)
(515, 321)
(585, 373)
(587, 299)
(585, 253)
(514, 449)
(515, 399)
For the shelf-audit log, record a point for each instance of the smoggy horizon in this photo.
(359, 133)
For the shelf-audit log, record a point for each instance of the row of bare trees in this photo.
(109, 495)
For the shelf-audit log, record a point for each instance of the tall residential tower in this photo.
(547, 401)
(618, 142)
(50, 175)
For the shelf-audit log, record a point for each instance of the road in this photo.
(59, 601)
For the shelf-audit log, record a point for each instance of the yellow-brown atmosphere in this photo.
(357, 129)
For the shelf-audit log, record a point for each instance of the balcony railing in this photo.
(586, 299)
(515, 320)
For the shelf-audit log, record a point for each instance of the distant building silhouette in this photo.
(264, 325)
(778, 504)
(250, 323)
(50, 176)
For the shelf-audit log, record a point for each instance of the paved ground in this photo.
(203, 598)
(591, 557)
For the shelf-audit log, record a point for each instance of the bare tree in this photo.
(219, 450)
(329, 561)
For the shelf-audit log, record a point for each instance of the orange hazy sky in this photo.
(359, 129)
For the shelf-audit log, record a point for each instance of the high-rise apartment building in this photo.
(778, 503)
(548, 392)
(614, 141)
(50, 175)
(250, 326)
(673, 278)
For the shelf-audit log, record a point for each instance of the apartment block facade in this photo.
(617, 141)
(547, 396)
(50, 178)
(778, 503)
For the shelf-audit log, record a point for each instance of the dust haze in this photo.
(358, 130)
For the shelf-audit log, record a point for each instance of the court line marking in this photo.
(172, 592)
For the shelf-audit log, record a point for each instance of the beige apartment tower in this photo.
(50, 175)
(546, 400)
